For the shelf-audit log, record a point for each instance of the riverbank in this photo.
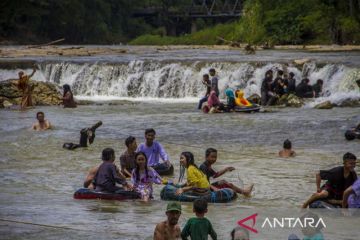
(90, 50)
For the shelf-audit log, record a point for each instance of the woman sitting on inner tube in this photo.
(230, 99)
(240, 100)
(196, 179)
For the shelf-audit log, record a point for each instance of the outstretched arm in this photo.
(33, 72)
(222, 172)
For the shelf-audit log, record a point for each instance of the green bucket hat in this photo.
(173, 206)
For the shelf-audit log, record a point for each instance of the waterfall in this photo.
(182, 80)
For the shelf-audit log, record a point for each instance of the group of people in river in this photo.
(26, 88)
(211, 97)
(139, 164)
(271, 90)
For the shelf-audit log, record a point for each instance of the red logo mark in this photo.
(253, 217)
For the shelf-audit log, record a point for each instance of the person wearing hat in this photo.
(169, 229)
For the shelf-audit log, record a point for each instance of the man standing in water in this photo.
(24, 86)
(266, 93)
(42, 123)
(169, 229)
(153, 149)
(214, 81)
(206, 81)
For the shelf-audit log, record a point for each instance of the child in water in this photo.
(287, 151)
(195, 177)
(143, 177)
(199, 227)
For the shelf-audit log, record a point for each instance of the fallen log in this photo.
(46, 44)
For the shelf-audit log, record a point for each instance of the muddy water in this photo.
(38, 177)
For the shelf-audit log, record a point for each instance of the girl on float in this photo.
(196, 179)
(143, 177)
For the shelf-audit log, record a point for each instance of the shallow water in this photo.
(39, 177)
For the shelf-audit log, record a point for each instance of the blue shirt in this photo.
(153, 153)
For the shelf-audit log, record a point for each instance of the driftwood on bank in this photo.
(249, 49)
(231, 43)
(46, 44)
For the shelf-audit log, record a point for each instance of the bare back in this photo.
(287, 153)
(165, 232)
(41, 126)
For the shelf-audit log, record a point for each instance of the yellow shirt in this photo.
(196, 178)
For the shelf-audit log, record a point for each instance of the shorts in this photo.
(221, 184)
(333, 194)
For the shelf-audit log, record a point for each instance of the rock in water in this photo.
(291, 100)
(6, 104)
(350, 103)
(301, 61)
(43, 93)
(324, 105)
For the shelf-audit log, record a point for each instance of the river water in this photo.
(38, 177)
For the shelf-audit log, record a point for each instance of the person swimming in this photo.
(287, 150)
(42, 124)
(86, 134)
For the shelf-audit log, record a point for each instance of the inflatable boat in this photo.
(323, 204)
(85, 193)
(222, 196)
(163, 169)
(249, 109)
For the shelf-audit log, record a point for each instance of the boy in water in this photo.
(42, 123)
(210, 159)
(198, 227)
(338, 179)
(106, 176)
(169, 229)
(127, 159)
(287, 151)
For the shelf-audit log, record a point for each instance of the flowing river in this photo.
(38, 177)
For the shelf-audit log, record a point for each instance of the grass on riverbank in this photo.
(204, 37)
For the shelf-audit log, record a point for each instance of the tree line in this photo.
(113, 22)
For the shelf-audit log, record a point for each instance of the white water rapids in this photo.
(181, 81)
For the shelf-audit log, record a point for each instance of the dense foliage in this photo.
(113, 21)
